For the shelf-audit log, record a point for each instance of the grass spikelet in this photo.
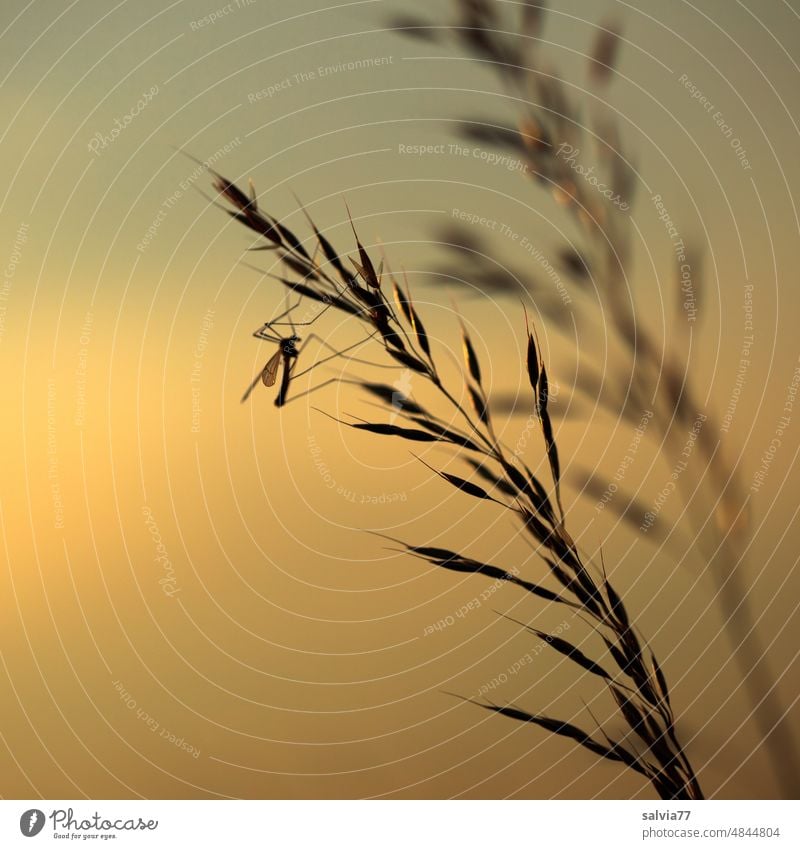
(470, 357)
(366, 268)
(409, 360)
(460, 483)
(394, 430)
(532, 359)
(566, 648)
(402, 302)
(479, 405)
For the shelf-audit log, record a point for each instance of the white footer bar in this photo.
(400, 824)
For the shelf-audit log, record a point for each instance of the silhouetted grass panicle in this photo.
(635, 682)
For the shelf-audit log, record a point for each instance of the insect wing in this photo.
(271, 369)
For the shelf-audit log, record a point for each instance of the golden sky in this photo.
(193, 603)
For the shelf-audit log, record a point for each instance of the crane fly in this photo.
(288, 352)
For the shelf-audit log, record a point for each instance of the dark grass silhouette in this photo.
(629, 672)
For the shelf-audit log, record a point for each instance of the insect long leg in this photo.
(308, 391)
(341, 353)
(289, 374)
(276, 322)
(261, 332)
(294, 324)
(251, 387)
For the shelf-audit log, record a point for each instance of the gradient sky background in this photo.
(293, 656)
